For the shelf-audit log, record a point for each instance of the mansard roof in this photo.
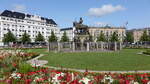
(19, 15)
(50, 21)
(63, 29)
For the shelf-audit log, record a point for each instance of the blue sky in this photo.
(94, 12)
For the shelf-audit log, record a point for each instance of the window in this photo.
(11, 20)
(107, 33)
(18, 20)
(3, 18)
(4, 28)
(28, 22)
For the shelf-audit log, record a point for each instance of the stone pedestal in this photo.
(59, 47)
(70, 45)
(48, 46)
(73, 46)
(115, 46)
(120, 46)
(88, 47)
(97, 46)
(102, 46)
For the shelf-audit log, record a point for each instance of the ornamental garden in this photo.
(40, 66)
(75, 68)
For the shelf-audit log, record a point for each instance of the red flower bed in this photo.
(10, 61)
(48, 76)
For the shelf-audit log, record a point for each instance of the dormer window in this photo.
(14, 16)
(9, 15)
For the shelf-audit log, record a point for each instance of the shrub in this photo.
(147, 52)
(24, 68)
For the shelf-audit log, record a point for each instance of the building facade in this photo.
(95, 32)
(108, 31)
(69, 32)
(137, 33)
(19, 23)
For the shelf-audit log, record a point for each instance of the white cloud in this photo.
(104, 10)
(100, 23)
(19, 7)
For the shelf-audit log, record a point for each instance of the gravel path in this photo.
(42, 63)
(36, 62)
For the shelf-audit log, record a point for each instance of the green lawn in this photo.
(124, 60)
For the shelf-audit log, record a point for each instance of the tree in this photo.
(39, 38)
(9, 37)
(129, 37)
(114, 37)
(25, 38)
(90, 38)
(64, 38)
(144, 37)
(52, 38)
(101, 37)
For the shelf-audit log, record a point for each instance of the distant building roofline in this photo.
(63, 29)
(108, 27)
(139, 28)
(19, 15)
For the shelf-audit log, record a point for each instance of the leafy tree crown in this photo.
(52, 38)
(9, 37)
(39, 38)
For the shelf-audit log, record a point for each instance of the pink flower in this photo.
(28, 81)
(9, 81)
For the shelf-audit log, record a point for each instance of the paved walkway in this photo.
(36, 62)
(42, 63)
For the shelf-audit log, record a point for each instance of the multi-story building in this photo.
(69, 32)
(95, 32)
(18, 23)
(137, 33)
(108, 31)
